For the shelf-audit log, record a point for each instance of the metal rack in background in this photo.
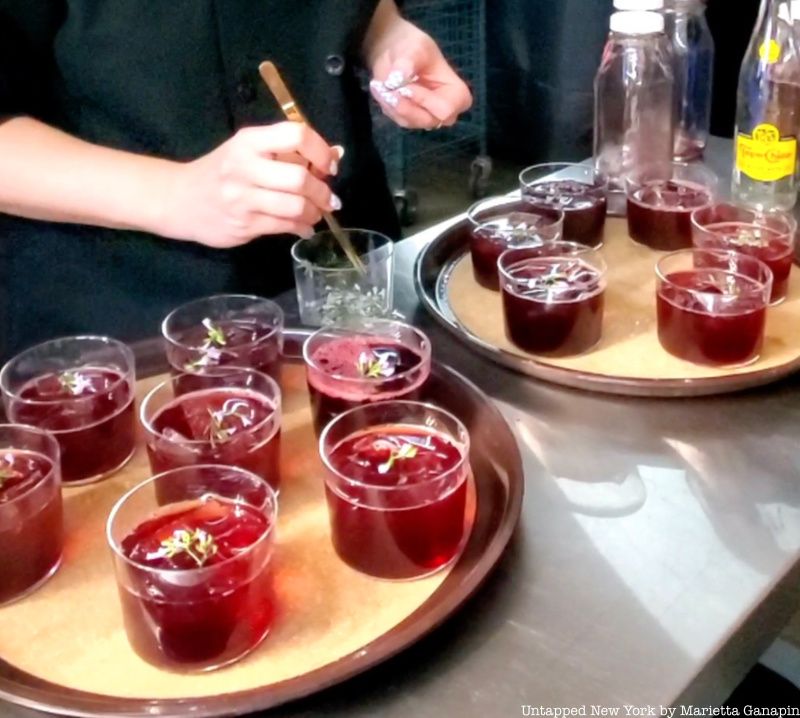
(459, 27)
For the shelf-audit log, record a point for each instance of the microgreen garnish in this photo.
(375, 365)
(74, 382)
(218, 431)
(199, 545)
(347, 302)
(215, 336)
(209, 357)
(404, 451)
(746, 238)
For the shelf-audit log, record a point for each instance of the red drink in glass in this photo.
(223, 331)
(659, 215)
(573, 189)
(31, 527)
(768, 236)
(89, 408)
(366, 362)
(235, 422)
(396, 492)
(194, 577)
(553, 304)
(500, 223)
(712, 309)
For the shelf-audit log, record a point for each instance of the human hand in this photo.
(414, 84)
(264, 180)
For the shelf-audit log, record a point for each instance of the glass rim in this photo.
(388, 245)
(130, 372)
(601, 181)
(428, 407)
(271, 500)
(581, 249)
(634, 176)
(779, 214)
(728, 253)
(151, 430)
(538, 210)
(55, 463)
(276, 328)
(425, 344)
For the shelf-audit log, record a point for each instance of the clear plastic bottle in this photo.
(768, 113)
(634, 107)
(693, 67)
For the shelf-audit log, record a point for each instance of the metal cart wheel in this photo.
(406, 202)
(479, 173)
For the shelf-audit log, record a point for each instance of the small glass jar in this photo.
(82, 390)
(396, 485)
(330, 290)
(220, 331)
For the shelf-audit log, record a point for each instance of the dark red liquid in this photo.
(764, 243)
(217, 426)
(337, 361)
(554, 316)
(660, 214)
(249, 343)
(584, 208)
(218, 614)
(404, 533)
(31, 531)
(511, 226)
(90, 411)
(731, 334)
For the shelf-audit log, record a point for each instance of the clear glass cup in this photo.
(578, 190)
(202, 597)
(553, 297)
(223, 330)
(712, 306)
(364, 361)
(31, 525)
(331, 290)
(500, 223)
(661, 199)
(234, 420)
(82, 390)
(396, 486)
(767, 235)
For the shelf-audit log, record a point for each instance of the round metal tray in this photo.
(498, 478)
(433, 272)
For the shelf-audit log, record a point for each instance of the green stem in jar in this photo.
(404, 451)
(199, 545)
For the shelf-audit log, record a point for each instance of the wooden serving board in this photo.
(629, 358)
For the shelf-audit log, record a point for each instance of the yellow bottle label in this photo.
(770, 51)
(765, 156)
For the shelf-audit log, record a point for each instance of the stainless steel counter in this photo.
(658, 554)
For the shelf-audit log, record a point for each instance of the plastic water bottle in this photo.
(693, 66)
(634, 106)
(768, 113)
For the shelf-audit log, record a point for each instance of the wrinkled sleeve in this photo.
(27, 32)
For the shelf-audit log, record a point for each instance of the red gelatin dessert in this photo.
(712, 317)
(31, 531)
(351, 370)
(231, 426)
(552, 305)
(584, 206)
(401, 511)
(90, 410)
(197, 588)
(660, 213)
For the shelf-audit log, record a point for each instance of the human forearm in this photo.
(50, 175)
(384, 28)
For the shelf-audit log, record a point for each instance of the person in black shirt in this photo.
(143, 163)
